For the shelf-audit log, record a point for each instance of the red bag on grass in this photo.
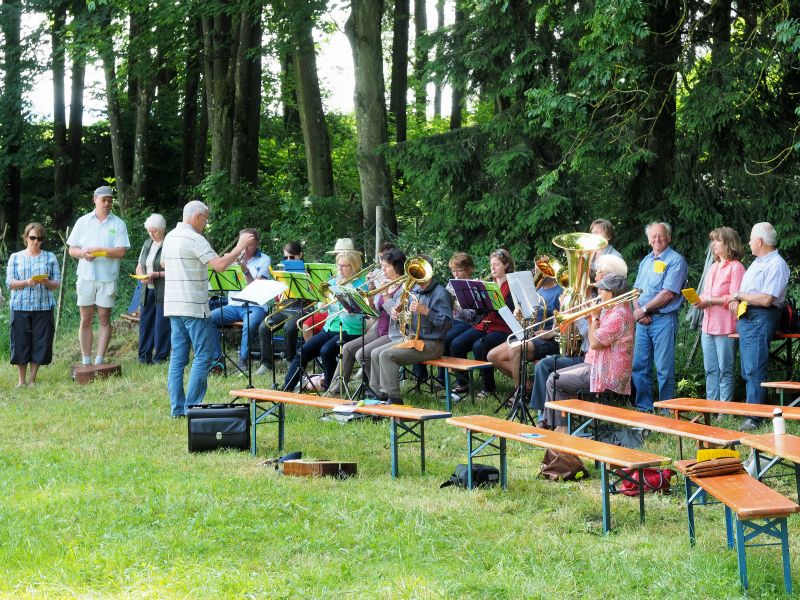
(655, 480)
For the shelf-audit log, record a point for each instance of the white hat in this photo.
(343, 245)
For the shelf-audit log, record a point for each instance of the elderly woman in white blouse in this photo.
(154, 329)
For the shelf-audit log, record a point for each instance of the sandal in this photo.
(461, 389)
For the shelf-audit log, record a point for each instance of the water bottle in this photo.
(778, 422)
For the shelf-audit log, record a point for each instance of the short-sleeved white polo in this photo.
(185, 255)
(90, 232)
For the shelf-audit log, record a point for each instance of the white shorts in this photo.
(96, 293)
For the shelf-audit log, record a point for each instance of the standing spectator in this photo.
(32, 276)
(722, 280)
(99, 240)
(186, 256)
(763, 288)
(604, 228)
(153, 325)
(662, 274)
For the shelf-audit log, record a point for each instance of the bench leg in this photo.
(393, 447)
(740, 552)
(605, 499)
(641, 496)
(256, 418)
(469, 459)
(729, 527)
(281, 426)
(253, 446)
(503, 466)
(690, 509)
(447, 391)
(787, 572)
(422, 446)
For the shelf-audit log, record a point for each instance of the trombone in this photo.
(326, 290)
(570, 315)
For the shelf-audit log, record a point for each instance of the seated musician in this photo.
(288, 316)
(489, 332)
(255, 265)
(339, 326)
(507, 358)
(607, 366)
(430, 305)
(606, 264)
(384, 330)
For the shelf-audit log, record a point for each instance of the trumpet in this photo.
(564, 318)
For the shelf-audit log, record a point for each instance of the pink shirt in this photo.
(611, 365)
(723, 279)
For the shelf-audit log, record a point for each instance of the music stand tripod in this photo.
(299, 290)
(231, 279)
(519, 406)
(472, 294)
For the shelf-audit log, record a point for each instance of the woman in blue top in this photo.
(32, 276)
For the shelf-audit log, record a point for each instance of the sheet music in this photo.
(261, 291)
(516, 327)
(523, 291)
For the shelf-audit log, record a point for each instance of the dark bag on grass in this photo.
(560, 466)
(482, 476)
(790, 320)
(213, 426)
(655, 480)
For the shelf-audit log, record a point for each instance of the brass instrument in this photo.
(417, 271)
(326, 290)
(565, 318)
(546, 267)
(579, 248)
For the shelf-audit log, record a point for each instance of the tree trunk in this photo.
(319, 167)
(437, 95)
(60, 152)
(420, 59)
(190, 97)
(458, 87)
(144, 97)
(219, 46)
(246, 69)
(398, 101)
(76, 102)
(291, 116)
(201, 147)
(11, 119)
(363, 29)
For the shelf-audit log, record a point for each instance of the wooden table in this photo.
(602, 453)
(457, 364)
(785, 344)
(784, 450)
(740, 409)
(404, 420)
(783, 386)
(704, 434)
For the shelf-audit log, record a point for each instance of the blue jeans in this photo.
(230, 314)
(479, 344)
(325, 344)
(154, 330)
(719, 352)
(542, 371)
(188, 333)
(655, 343)
(756, 330)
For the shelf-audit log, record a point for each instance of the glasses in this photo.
(35, 238)
(500, 254)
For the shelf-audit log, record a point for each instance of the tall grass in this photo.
(100, 498)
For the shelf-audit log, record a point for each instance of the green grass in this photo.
(100, 498)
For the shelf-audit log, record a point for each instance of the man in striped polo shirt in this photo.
(186, 256)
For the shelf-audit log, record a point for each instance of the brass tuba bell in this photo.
(419, 271)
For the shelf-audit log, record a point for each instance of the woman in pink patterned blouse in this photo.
(722, 281)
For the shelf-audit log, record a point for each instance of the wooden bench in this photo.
(457, 364)
(783, 450)
(785, 345)
(604, 454)
(704, 434)
(749, 500)
(404, 420)
(708, 407)
(784, 386)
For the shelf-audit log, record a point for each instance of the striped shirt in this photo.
(22, 267)
(185, 255)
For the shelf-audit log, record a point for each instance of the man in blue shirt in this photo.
(662, 274)
(763, 287)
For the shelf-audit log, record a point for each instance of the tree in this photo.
(11, 118)
(420, 59)
(60, 148)
(363, 29)
(398, 90)
(437, 95)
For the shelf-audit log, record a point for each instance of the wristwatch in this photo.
(736, 296)
(644, 308)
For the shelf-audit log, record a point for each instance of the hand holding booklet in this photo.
(691, 295)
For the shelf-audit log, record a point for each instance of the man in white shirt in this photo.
(98, 240)
(186, 256)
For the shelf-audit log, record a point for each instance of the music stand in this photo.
(300, 288)
(352, 303)
(320, 273)
(231, 279)
(523, 291)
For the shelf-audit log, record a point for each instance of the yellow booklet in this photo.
(40, 278)
(741, 310)
(691, 295)
(99, 253)
(139, 277)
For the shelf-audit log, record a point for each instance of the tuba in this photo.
(418, 271)
(580, 249)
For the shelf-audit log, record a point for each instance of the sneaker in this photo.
(455, 397)
(749, 424)
(217, 368)
(483, 394)
(262, 370)
(461, 389)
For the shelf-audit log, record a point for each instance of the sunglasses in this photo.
(35, 238)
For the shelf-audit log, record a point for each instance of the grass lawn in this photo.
(100, 498)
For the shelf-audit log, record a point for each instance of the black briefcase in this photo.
(213, 426)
